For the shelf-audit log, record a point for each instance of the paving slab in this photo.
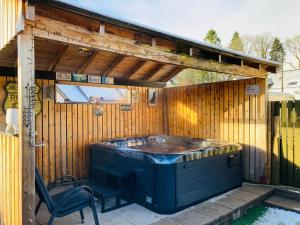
(243, 195)
(212, 210)
(166, 221)
(284, 203)
(192, 217)
(257, 189)
(216, 210)
(231, 202)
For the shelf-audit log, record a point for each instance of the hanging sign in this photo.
(107, 80)
(11, 100)
(126, 107)
(252, 89)
(134, 96)
(64, 76)
(94, 79)
(76, 77)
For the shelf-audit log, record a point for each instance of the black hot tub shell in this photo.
(171, 173)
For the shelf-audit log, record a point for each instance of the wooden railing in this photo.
(10, 181)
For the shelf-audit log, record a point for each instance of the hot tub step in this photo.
(284, 203)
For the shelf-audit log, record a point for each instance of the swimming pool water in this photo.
(263, 215)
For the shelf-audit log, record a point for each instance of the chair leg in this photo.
(95, 213)
(81, 215)
(50, 222)
(38, 207)
(102, 204)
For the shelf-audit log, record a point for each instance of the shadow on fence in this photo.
(284, 127)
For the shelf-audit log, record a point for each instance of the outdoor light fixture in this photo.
(12, 121)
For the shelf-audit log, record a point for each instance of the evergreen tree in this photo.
(277, 52)
(236, 42)
(213, 38)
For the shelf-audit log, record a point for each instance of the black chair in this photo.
(65, 202)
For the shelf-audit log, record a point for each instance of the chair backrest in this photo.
(42, 191)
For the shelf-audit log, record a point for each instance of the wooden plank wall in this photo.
(11, 20)
(218, 110)
(11, 181)
(223, 111)
(68, 129)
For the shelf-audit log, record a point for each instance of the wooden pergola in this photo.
(49, 36)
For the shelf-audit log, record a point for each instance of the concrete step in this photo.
(284, 203)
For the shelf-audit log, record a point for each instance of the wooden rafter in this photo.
(71, 34)
(58, 57)
(113, 65)
(133, 70)
(87, 62)
(172, 73)
(153, 72)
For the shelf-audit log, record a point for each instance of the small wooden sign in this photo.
(64, 76)
(134, 96)
(99, 110)
(107, 80)
(94, 79)
(79, 77)
(125, 107)
(11, 100)
(252, 89)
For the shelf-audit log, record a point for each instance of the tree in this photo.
(236, 42)
(277, 52)
(293, 47)
(247, 41)
(192, 76)
(213, 38)
(261, 44)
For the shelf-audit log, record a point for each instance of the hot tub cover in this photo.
(167, 149)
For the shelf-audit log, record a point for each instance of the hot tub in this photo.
(171, 173)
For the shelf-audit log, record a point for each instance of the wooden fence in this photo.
(284, 124)
(11, 181)
(223, 111)
(11, 20)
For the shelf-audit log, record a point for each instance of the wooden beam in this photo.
(133, 70)
(139, 83)
(173, 73)
(26, 120)
(113, 65)
(58, 57)
(87, 62)
(153, 72)
(75, 35)
(29, 11)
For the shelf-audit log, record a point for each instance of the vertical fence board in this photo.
(11, 177)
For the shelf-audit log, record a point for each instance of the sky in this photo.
(193, 18)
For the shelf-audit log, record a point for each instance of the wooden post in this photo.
(26, 122)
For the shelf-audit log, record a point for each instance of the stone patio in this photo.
(217, 210)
